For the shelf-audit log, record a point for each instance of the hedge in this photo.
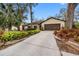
(14, 35)
(31, 32)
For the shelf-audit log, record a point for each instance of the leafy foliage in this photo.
(77, 25)
(12, 14)
(31, 32)
(14, 35)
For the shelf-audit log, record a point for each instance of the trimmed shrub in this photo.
(31, 32)
(14, 35)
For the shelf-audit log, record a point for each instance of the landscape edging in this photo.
(69, 43)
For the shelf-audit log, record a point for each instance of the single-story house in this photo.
(34, 25)
(51, 23)
(21, 27)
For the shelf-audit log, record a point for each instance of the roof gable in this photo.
(53, 18)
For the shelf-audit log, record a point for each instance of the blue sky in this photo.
(44, 10)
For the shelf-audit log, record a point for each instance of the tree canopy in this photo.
(12, 14)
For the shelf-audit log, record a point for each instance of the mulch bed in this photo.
(67, 35)
(66, 48)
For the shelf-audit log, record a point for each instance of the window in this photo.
(35, 27)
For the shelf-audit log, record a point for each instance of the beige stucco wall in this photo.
(53, 21)
(14, 28)
(36, 25)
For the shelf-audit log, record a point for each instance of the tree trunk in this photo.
(30, 6)
(70, 15)
(10, 27)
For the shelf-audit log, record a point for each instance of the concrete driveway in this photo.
(41, 44)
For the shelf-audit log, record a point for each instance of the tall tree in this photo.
(7, 15)
(21, 14)
(70, 15)
(31, 5)
(12, 14)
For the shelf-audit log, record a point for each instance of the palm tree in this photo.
(20, 11)
(7, 15)
(12, 14)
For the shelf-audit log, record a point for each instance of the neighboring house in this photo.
(21, 27)
(34, 25)
(48, 24)
(14, 28)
